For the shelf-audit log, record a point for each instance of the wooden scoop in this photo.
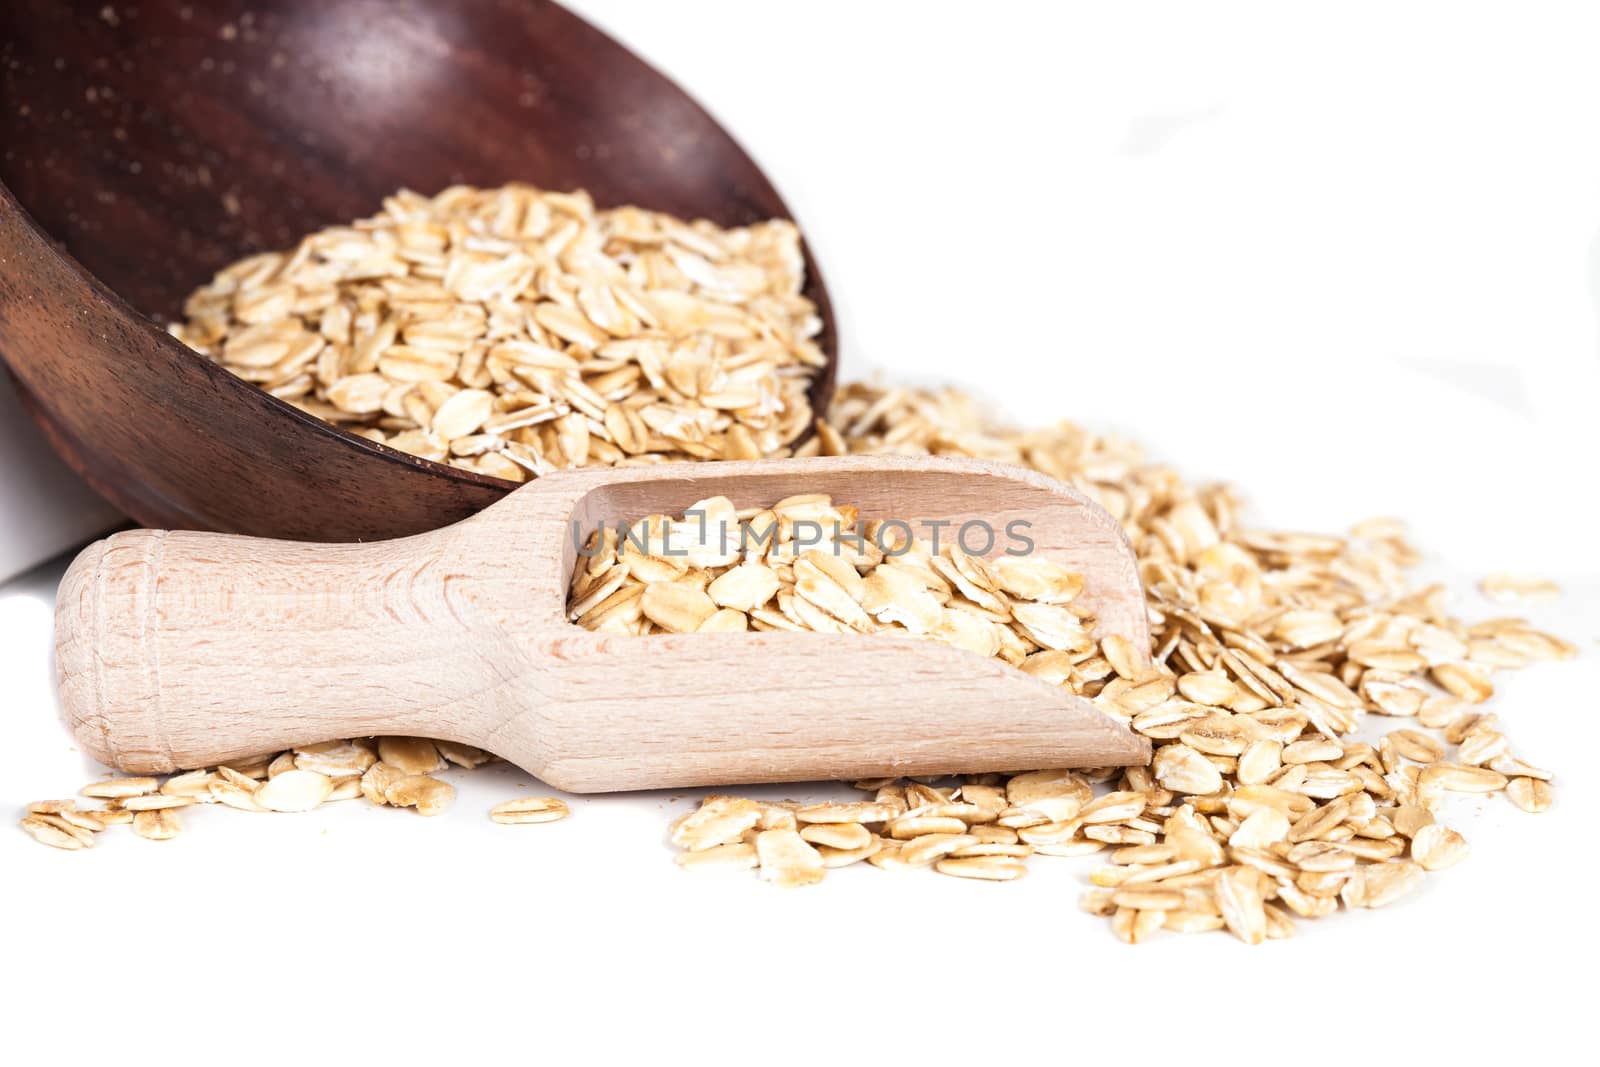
(179, 650)
(148, 143)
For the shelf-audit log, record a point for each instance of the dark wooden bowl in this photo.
(146, 143)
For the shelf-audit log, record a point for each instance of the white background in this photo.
(1345, 256)
(44, 506)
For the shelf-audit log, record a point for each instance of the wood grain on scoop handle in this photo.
(181, 649)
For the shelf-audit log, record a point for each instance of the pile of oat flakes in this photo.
(512, 331)
(1271, 649)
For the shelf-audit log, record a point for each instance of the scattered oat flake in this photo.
(116, 788)
(529, 809)
(787, 860)
(1512, 587)
(294, 790)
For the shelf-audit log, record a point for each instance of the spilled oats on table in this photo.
(512, 332)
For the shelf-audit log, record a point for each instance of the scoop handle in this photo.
(178, 649)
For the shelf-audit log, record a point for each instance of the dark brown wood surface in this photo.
(145, 144)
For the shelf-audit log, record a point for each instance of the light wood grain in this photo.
(183, 649)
